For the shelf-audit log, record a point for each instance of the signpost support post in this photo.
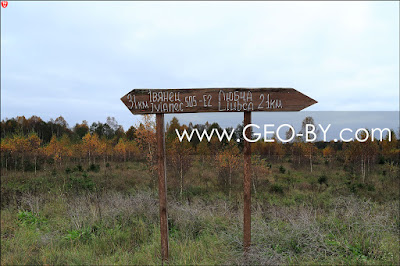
(162, 184)
(247, 185)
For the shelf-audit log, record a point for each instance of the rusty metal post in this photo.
(162, 185)
(247, 186)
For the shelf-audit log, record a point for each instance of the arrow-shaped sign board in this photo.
(167, 101)
(246, 100)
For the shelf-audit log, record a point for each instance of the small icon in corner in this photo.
(4, 4)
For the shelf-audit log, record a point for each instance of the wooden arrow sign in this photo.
(167, 101)
(246, 100)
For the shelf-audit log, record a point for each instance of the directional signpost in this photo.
(247, 100)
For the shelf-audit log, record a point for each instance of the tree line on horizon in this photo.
(32, 144)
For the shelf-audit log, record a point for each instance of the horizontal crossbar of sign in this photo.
(153, 101)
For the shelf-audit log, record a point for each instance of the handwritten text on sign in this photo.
(152, 101)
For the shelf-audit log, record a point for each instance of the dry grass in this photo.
(114, 223)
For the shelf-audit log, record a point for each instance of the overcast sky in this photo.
(77, 59)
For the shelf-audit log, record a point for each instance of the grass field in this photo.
(74, 215)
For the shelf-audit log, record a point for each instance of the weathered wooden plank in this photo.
(153, 101)
(247, 185)
(162, 184)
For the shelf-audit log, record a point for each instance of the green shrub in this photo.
(78, 168)
(94, 168)
(276, 188)
(81, 183)
(282, 169)
(27, 218)
(29, 166)
(354, 187)
(84, 235)
(323, 180)
(370, 187)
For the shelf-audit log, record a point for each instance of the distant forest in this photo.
(31, 144)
